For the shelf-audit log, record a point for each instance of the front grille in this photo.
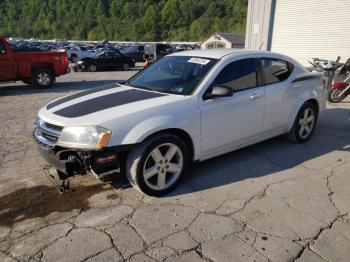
(47, 133)
(49, 137)
(58, 128)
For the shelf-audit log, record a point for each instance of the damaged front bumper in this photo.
(76, 162)
(71, 162)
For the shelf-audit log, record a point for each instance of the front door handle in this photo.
(255, 96)
(296, 85)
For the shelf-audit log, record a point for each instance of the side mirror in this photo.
(218, 91)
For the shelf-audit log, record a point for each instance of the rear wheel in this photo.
(42, 78)
(156, 166)
(304, 124)
(334, 96)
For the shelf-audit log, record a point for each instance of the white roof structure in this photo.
(216, 53)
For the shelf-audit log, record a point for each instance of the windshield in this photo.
(173, 74)
(96, 55)
(129, 49)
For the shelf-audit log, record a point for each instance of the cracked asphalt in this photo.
(274, 201)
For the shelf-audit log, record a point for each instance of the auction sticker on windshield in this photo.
(200, 61)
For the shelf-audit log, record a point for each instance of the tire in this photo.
(74, 58)
(304, 124)
(75, 68)
(126, 67)
(165, 174)
(334, 95)
(42, 78)
(92, 68)
(27, 81)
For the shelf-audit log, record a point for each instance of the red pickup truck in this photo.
(37, 68)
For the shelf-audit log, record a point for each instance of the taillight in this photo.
(65, 60)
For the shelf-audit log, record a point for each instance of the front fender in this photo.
(155, 124)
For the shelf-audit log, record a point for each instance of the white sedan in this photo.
(76, 53)
(186, 107)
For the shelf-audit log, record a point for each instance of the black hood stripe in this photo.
(105, 102)
(80, 94)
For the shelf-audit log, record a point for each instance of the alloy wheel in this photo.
(163, 166)
(306, 123)
(44, 79)
(92, 68)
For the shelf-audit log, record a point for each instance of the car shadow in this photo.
(271, 156)
(59, 87)
(266, 158)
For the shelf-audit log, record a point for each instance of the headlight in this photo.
(81, 62)
(84, 137)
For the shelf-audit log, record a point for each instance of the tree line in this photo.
(123, 20)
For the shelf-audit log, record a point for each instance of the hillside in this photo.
(148, 20)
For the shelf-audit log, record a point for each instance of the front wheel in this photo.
(126, 67)
(42, 78)
(156, 166)
(304, 124)
(334, 96)
(92, 68)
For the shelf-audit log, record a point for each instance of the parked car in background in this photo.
(38, 68)
(106, 60)
(137, 52)
(156, 51)
(76, 53)
(102, 44)
(186, 107)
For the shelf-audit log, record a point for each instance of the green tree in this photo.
(136, 20)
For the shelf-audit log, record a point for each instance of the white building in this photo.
(224, 40)
(302, 29)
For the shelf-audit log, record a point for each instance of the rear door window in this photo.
(274, 70)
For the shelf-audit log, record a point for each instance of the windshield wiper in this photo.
(145, 88)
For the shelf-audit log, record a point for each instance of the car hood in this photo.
(103, 104)
(87, 59)
(128, 52)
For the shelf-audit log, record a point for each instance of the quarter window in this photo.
(274, 70)
(238, 75)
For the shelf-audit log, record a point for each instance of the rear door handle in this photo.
(256, 96)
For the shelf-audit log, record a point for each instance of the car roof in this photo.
(218, 53)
